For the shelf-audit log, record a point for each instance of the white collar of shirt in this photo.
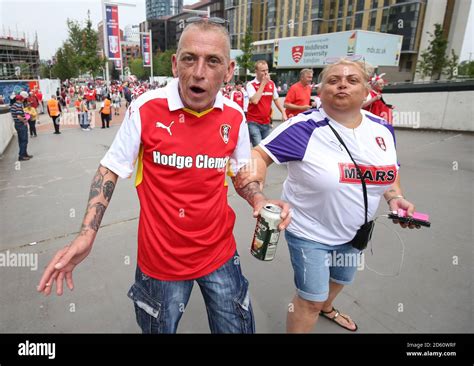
(175, 102)
(340, 127)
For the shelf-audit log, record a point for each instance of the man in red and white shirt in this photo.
(237, 94)
(262, 91)
(184, 138)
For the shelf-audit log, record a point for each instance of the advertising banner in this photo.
(146, 50)
(112, 32)
(378, 49)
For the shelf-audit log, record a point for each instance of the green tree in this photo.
(432, 61)
(451, 65)
(424, 66)
(466, 69)
(137, 69)
(245, 60)
(162, 63)
(90, 60)
(80, 52)
(64, 68)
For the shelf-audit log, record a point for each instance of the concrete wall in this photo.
(6, 130)
(436, 110)
(439, 110)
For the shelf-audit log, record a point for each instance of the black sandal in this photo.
(324, 314)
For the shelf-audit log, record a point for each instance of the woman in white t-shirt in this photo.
(325, 191)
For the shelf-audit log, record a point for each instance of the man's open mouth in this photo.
(197, 89)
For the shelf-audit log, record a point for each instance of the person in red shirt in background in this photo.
(298, 98)
(262, 91)
(237, 95)
(39, 95)
(375, 103)
(90, 97)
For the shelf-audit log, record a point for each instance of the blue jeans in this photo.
(83, 119)
(159, 304)
(258, 132)
(22, 131)
(314, 264)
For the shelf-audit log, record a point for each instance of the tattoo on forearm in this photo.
(96, 186)
(96, 220)
(108, 189)
(97, 205)
(249, 191)
(84, 229)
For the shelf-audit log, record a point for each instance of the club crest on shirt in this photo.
(380, 141)
(225, 131)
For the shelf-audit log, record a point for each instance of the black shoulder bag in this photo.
(364, 234)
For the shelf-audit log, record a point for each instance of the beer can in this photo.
(265, 238)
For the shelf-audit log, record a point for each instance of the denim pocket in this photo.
(147, 310)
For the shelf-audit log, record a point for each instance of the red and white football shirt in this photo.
(238, 97)
(262, 111)
(185, 228)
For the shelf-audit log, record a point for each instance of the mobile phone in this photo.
(418, 218)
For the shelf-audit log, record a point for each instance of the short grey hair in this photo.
(303, 72)
(206, 26)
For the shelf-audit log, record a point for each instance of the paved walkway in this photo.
(43, 202)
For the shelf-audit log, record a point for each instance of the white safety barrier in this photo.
(436, 110)
(6, 130)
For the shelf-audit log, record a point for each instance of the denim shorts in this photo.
(159, 304)
(315, 263)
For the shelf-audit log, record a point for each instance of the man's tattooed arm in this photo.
(102, 188)
(251, 192)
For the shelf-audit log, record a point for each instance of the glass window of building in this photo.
(358, 21)
(348, 23)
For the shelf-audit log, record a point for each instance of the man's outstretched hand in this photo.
(61, 266)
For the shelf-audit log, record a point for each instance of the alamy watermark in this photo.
(334, 259)
(28, 348)
(73, 119)
(9, 259)
(405, 119)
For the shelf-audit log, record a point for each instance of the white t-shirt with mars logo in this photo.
(323, 186)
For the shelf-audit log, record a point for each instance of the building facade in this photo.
(214, 8)
(18, 59)
(162, 33)
(131, 33)
(276, 19)
(159, 8)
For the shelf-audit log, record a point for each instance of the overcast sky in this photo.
(48, 19)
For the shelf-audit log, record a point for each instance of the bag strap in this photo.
(362, 179)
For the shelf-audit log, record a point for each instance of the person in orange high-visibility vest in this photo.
(105, 111)
(54, 111)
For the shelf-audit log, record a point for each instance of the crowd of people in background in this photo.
(85, 97)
